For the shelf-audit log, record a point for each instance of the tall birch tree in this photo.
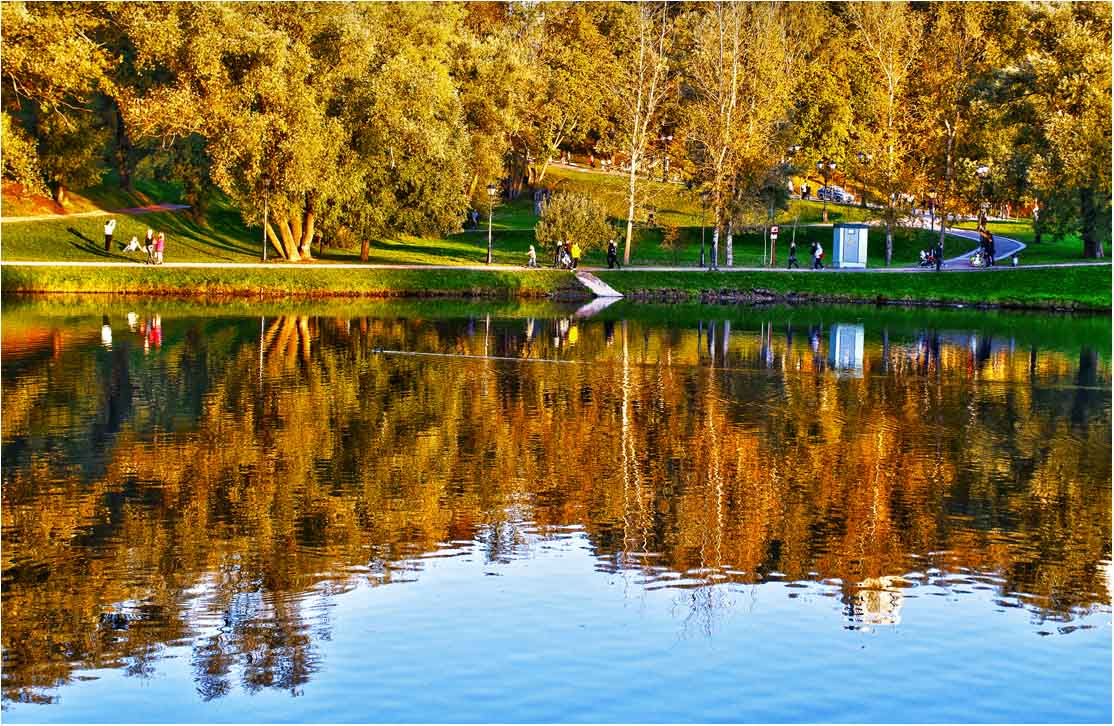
(642, 82)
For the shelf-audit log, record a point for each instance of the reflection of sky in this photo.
(551, 636)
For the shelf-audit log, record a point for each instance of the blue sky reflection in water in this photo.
(843, 515)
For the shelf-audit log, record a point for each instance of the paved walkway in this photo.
(520, 268)
(1004, 247)
(162, 207)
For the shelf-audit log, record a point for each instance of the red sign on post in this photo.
(773, 231)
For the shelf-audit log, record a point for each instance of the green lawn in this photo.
(1071, 288)
(222, 236)
(279, 282)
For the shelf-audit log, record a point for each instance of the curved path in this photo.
(1004, 247)
(149, 209)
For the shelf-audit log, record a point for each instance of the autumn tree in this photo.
(51, 72)
(888, 39)
(642, 81)
(1060, 82)
(949, 103)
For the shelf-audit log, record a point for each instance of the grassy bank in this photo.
(279, 282)
(1075, 288)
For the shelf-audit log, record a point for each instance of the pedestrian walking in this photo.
(531, 257)
(160, 245)
(575, 254)
(818, 257)
(612, 255)
(109, 228)
(793, 256)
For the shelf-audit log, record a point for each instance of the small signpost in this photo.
(773, 245)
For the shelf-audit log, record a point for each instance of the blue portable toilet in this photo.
(849, 245)
(845, 348)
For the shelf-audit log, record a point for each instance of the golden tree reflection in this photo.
(203, 493)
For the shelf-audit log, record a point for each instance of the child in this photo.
(160, 244)
(532, 258)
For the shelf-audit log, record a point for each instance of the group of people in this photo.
(567, 256)
(153, 244)
(817, 250)
(986, 242)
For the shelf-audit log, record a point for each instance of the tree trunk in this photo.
(365, 248)
(60, 193)
(275, 241)
(289, 244)
(630, 212)
(715, 246)
(1092, 244)
(296, 229)
(123, 151)
(889, 242)
(305, 248)
(544, 169)
(730, 243)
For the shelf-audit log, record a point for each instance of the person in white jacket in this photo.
(109, 228)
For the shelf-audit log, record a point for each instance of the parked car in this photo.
(832, 193)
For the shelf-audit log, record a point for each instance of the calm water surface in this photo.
(390, 512)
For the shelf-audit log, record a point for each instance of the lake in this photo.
(446, 511)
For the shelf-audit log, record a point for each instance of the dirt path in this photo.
(149, 209)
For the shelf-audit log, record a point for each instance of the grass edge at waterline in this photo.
(279, 282)
(1066, 288)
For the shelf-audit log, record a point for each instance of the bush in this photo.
(572, 217)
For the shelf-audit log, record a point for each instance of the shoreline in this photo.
(1072, 290)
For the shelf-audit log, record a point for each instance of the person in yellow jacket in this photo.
(575, 252)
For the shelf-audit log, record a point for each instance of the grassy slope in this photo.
(280, 282)
(1082, 287)
(222, 236)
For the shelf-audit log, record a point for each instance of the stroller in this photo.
(928, 258)
(980, 259)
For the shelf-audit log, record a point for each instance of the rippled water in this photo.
(452, 512)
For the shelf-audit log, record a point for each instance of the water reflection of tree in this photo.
(724, 453)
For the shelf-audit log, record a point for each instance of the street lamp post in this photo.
(492, 190)
(982, 171)
(665, 140)
(703, 221)
(826, 167)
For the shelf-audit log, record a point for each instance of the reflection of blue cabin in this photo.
(849, 245)
(845, 348)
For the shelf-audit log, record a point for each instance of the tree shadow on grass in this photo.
(88, 245)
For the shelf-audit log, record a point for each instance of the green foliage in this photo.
(377, 121)
(20, 160)
(51, 71)
(571, 217)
